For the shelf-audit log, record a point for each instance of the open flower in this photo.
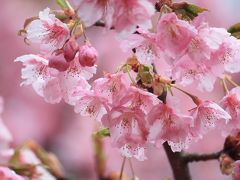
(174, 35)
(207, 115)
(128, 131)
(231, 104)
(126, 15)
(48, 31)
(52, 84)
(166, 124)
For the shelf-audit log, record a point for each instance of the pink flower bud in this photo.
(58, 62)
(70, 49)
(87, 55)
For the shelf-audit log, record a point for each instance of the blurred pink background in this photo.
(63, 132)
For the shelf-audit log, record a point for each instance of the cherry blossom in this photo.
(87, 55)
(166, 124)
(92, 105)
(128, 130)
(52, 84)
(112, 87)
(174, 35)
(86, 7)
(231, 103)
(125, 15)
(145, 45)
(137, 98)
(208, 115)
(48, 31)
(8, 174)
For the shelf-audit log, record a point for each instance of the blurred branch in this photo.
(188, 157)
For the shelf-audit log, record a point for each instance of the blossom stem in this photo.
(122, 168)
(228, 78)
(225, 86)
(195, 99)
(131, 167)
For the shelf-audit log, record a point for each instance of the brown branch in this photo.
(179, 166)
(188, 157)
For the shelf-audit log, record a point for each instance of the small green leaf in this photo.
(103, 132)
(145, 75)
(235, 30)
(187, 11)
(194, 9)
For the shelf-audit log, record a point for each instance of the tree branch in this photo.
(188, 157)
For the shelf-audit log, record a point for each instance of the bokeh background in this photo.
(59, 129)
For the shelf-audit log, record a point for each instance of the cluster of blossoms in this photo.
(195, 52)
(136, 104)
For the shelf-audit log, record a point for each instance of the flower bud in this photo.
(70, 49)
(58, 62)
(87, 55)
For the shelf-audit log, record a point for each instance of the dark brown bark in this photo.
(179, 166)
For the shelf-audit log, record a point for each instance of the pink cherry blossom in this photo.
(174, 35)
(126, 15)
(112, 87)
(92, 105)
(228, 55)
(166, 124)
(128, 130)
(87, 7)
(70, 49)
(87, 55)
(202, 73)
(208, 115)
(48, 31)
(145, 45)
(137, 98)
(52, 84)
(8, 174)
(231, 104)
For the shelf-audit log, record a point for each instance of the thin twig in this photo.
(188, 157)
(122, 167)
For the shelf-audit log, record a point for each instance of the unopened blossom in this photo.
(52, 84)
(174, 35)
(126, 15)
(128, 130)
(208, 115)
(236, 170)
(8, 174)
(70, 49)
(166, 124)
(48, 31)
(58, 62)
(87, 55)
(231, 104)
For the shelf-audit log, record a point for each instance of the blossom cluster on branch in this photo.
(137, 104)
